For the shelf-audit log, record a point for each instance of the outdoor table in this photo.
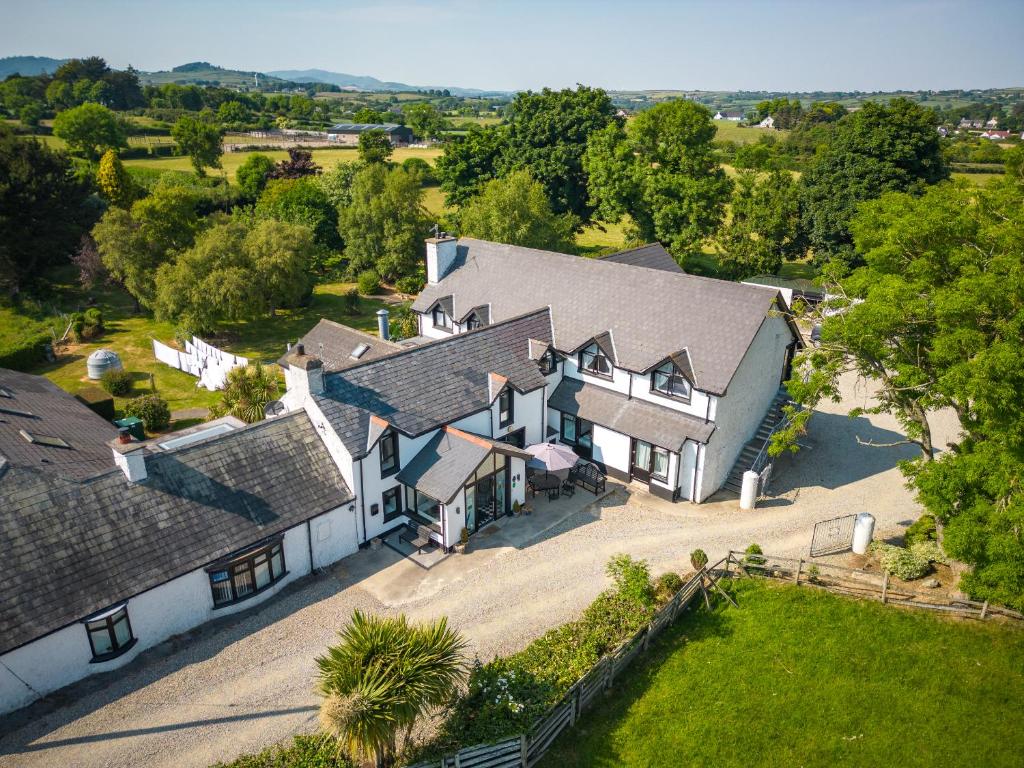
(544, 483)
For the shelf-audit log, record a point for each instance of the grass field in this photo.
(327, 158)
(730, 131)
(796, 677)
(130, 335)
(978, 179)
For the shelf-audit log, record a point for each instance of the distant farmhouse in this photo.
(731, 116)
(997, 135)
(349, 133)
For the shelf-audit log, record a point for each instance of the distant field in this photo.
(465, 122)
(730, 131)
(327, 158)
(978, 179)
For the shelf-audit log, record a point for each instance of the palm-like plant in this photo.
(247, 390)
(382, 676)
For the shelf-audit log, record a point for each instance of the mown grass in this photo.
(231, 161)
(796, 677)
(130, 334)
(730, 131)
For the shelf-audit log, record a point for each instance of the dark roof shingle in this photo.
(651, 256)
(334, 344)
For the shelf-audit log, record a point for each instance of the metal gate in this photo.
(831, 536)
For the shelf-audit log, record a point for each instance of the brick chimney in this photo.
(306, 372)
(129, 456)
(441, 252)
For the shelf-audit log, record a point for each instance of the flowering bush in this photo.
(908, 564)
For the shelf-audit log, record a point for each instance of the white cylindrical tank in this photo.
(748, 492)
(863, 530)
(101, 361)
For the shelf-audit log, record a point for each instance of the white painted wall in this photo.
(750, 392)
(619, 381)
(372, 485)
(698, 405)
(611, 448)
(63, 657)
(527, 411)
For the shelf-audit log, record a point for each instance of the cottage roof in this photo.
(652, 256)
(424, 387)
(74, 548)
(656, 424)
(364, 127)
(42, 427)
(336, 344)
(444, 464)
(650, 313)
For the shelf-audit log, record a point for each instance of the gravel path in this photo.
(239, 686)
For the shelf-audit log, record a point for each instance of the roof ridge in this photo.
(360, 332)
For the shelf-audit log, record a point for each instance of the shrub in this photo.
(369, 282)
(306, 751)
(814, 573)
(922, 529)
(698, 559)
(98, 401)
(410, 284)
(421, 170)
(76, 326)
(666, 586)
(25, 354)
(350, 301)
(930, 551)
(93, 323)
(906, 564)
(404, 324)
(152, 409)
(632, 579)
(117, 382)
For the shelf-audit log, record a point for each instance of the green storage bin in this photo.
(134, 426)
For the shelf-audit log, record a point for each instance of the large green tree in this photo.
(515, 210)
(879, 148)
(385, 224)
(764, 229)
(469, 162)
(375, 146)
(133, 244)
(89, 129)
(253, 174)
(44, 209)
(662, 172)
(425, 121)
(301, 201)
(200, 140)
(935, 319)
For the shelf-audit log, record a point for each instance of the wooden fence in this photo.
(526, 750)
(858, 583)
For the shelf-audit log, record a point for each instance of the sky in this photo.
(780, 45)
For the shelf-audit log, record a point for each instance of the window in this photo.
(247, 574)
(473, 323)
(595, 361)
(548, 363)
(392, 503)
(668, 381)
(389, 454)
(568, 428)
(441, 319)
(659, 465)
(110, 633)
(506, 408)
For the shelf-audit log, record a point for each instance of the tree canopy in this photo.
(89, 129)
(200, 140)
(469, 162)
(252, 175)
(375, 146)
(515, 210)
(661, 171)
(113, 181)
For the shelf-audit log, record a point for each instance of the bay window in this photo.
(110, 633)
(247, 573)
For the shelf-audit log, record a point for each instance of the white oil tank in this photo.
(863, 530)
(748, 491)
(101, 361)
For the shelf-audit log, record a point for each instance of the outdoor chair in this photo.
(553, 493)
(569, 487)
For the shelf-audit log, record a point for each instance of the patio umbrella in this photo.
(552, 457)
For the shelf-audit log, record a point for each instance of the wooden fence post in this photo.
(458, 762)
(885, 585)
(573, 707)
(523, 752)
(799, 567)
(984, 609)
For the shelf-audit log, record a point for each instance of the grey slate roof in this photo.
(650, 313)
(338, 343)
(364, 127)
(652, 256)
(73, 548)
(444, 464)
(656, 424)
(799, 285)
(53, 413)
(424, 387)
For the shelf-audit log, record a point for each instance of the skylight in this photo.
(359, 351)
(4, 392)
(53, 442)
(16, 412)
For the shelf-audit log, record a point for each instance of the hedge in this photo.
(26, 354)
(98, 401)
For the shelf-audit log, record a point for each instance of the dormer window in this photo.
(389, 454)
(548, 363)
(441, 318)
(473, 323)
(506, 408)
(667, 380)
(594, 360)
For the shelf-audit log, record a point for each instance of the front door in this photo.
(500, 494)
(584, 439)
(485, 506)
(640, 466)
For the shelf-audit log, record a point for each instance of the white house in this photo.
(731, 116)
(656, 376)
(113, 546)
(768, 122)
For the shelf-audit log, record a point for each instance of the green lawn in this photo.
(979, 179)
(730, 131)
(327, 158)
(130, 335)
(797, 677)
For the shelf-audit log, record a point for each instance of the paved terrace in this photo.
(245, 683)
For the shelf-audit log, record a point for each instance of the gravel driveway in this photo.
(242, 685)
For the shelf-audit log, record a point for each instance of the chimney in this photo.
(382, 324)
(129, 456)
(441, 252)
(307, 372)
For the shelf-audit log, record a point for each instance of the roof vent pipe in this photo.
(383, 328)
(300, 349)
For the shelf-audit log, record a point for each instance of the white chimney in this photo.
(306, 372)
(441, 251)
(383, 327)
(129, 456)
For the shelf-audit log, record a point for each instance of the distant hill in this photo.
(205, 73)
(28, 65)
(367, 83)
